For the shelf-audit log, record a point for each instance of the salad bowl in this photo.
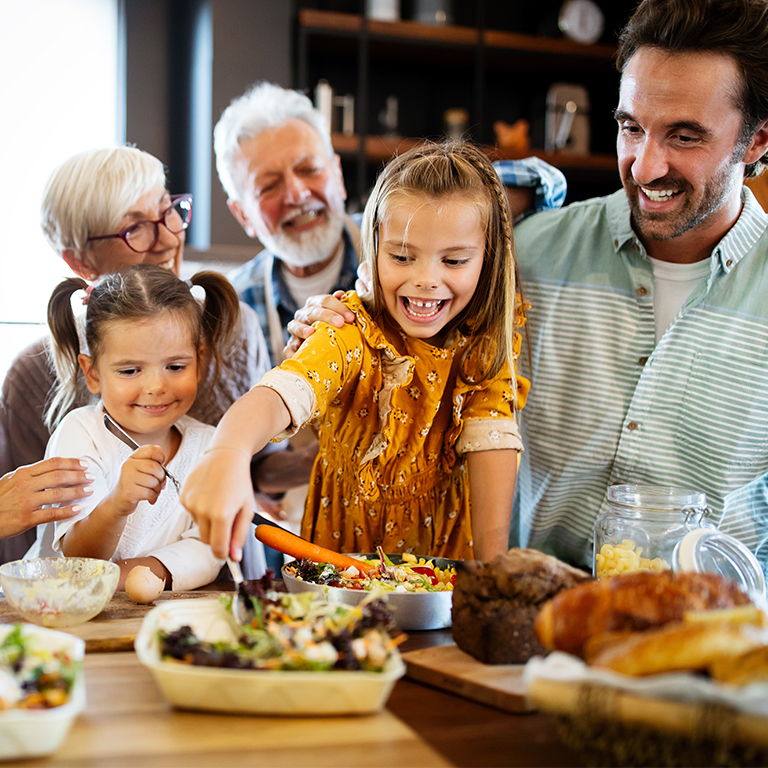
(250, 691)
(412, 610)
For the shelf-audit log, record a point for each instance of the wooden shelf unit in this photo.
(379, 149)
(371, 48)
(331, 22)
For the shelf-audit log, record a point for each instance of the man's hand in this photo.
(324, 309)
(521, 199)
(25, 491)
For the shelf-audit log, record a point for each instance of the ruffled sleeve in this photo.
(484, 414)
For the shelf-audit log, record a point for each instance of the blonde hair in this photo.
(89, 194)
(437, 171)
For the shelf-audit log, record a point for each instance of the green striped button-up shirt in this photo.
(610, 405)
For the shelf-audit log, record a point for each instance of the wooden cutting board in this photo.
(116, 627)
(449, 668)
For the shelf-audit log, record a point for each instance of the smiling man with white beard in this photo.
(285, 187)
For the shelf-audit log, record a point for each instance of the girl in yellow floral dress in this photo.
(414, 403)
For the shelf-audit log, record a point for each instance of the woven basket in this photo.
(610, 727)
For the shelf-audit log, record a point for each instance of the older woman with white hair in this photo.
(105, 210)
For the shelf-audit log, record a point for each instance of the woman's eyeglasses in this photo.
(143, 235)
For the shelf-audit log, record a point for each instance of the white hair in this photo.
(262, 106)
(90, 193)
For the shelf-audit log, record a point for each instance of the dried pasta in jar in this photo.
(614, 559)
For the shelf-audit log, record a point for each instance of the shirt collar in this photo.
(744, 234)
(737, 242)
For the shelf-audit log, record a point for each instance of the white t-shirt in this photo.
(672, 285)
(165, 529)
(301, 288)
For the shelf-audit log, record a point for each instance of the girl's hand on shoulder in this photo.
(141, 479)
(219, 495)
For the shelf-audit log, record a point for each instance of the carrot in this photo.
(286, 542)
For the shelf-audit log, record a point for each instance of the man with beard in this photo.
(649, 307)
(285, 187)
(648, 325)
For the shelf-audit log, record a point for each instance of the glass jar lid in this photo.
(707, 550)
(656, 498)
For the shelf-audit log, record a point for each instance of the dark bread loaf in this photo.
(495, 604)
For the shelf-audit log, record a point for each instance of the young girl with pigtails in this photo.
(415, 401)
(148, 340)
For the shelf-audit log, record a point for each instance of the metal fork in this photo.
(241, 611)
(113, 427)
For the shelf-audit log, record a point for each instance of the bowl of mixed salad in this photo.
(419, 590)
(41, 689)
(299, 655)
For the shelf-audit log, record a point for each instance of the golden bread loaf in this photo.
(678, 647)
(630, 603)
(749, 667)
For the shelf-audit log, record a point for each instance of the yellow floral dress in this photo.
(394, 420)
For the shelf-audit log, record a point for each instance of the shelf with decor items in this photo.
(497, 79)
(379, 149)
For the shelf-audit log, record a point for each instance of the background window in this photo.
(59, 70)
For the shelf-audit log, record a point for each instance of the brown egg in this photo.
(142, 586)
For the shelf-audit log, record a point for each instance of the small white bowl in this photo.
(59, 591)
(28, 733)
(249, 691)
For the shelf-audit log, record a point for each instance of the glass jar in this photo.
(656, 528)
(643, 526)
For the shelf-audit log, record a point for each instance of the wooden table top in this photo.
(128, 722)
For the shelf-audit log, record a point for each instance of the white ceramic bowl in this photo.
(59, 591)
(28, 733)
(412, 610)
(248, 691)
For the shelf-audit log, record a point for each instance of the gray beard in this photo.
(309, 247)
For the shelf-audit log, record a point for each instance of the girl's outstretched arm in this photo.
(492, 476)
(218, 492)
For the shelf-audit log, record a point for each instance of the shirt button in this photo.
(632, 426)
(642, 291)
(642, 360)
